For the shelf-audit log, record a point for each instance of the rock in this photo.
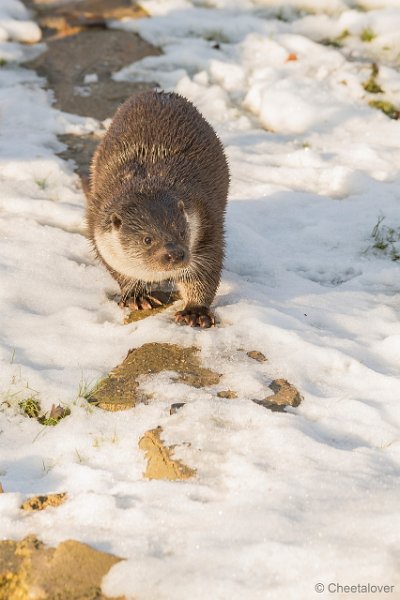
(256, 355)
(175, 407)
(86, 13)
(120, 390)
(285, 395)
(160, 464)
(72, 571)
(42, 502)
(59, 19)
(230, 394)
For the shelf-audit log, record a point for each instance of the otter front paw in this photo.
(195, 316)
(143, 302)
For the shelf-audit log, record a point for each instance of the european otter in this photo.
(159, 185)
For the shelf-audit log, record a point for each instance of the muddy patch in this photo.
(79, 67)
(72, 571)
(81, 56)
(160, 463)
(120, 390)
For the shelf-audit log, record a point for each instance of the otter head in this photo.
(147, 237)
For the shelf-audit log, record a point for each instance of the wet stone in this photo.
(175, 407)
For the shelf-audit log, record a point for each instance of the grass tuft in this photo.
(367, 35)
(30, 407)
(386, 240)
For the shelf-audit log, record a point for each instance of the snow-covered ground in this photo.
(281, 501)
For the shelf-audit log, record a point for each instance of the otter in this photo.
(156, 204)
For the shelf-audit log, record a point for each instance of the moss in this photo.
(41, 183)
(371, 85)
(367, 35)
(386, 107)
(336, 42)
(3, 62)
(56, 414)
(30, 407)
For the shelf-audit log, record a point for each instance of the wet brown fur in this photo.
(160, 144)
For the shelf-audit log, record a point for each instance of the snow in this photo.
(281, 501)
(15, 23)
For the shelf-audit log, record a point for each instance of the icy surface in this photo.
(281, 501)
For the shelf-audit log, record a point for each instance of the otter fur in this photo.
(156, 206)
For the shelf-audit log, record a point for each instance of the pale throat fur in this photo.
(109, 246)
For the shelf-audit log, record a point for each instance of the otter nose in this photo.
(174, 253)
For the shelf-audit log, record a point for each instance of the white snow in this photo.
(15, 23)
(281, 501)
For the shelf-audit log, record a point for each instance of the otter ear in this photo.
(181, 206)
(116, 221)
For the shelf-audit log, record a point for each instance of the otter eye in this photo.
(147, 240)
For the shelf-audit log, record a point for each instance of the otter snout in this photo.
(174, 254)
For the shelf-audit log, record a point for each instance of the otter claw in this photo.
(196, 317)
(140, 302)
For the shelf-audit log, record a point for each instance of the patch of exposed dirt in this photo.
(42, 502)
(91, 52)
(72, 571)
(160, 464)
(285, 395)
(79, 61)
(120, 390)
